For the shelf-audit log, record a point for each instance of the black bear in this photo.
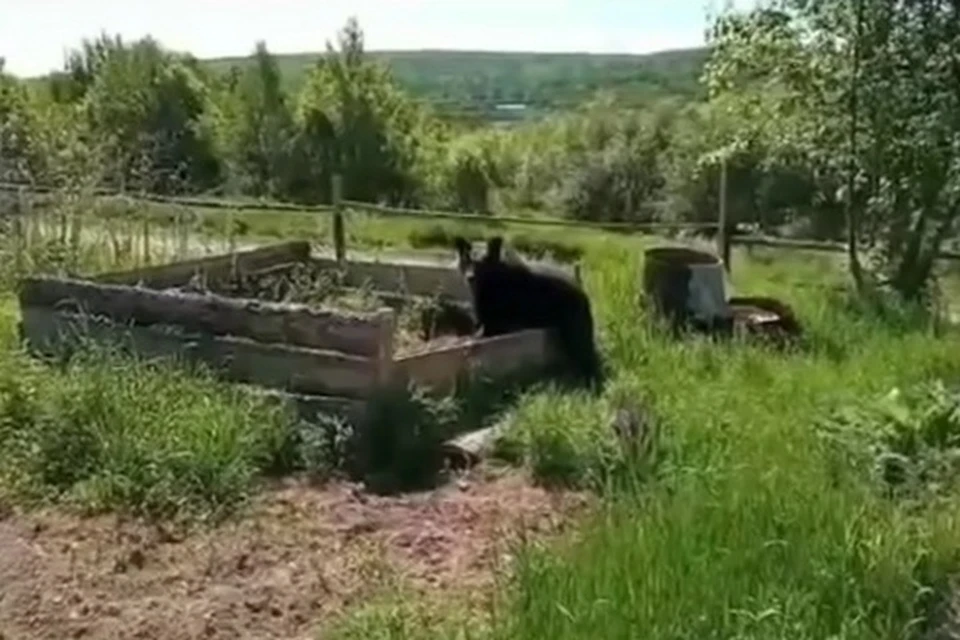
(445, 317)
(510, 296)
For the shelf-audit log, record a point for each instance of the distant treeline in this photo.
(475, 82)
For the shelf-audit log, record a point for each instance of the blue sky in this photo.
(35, 33)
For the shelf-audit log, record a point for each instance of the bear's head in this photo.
(468, 265)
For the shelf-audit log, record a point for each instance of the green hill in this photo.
(480, 80)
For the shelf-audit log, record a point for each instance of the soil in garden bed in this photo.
(422, 323)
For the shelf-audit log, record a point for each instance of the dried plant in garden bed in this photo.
(422, 323)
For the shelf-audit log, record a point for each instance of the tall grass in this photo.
(749, 529)
(750, 526)
(105, 432)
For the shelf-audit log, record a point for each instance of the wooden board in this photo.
(179, 273)
(468, 449)
(406, 277)
(500, 356)
(419, 278)
(283, 367)
(308, 407)
(266, 322)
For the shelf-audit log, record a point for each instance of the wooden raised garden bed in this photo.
(295, 326)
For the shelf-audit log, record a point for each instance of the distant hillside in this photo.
(471, 81)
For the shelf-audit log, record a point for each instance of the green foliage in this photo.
(880, 138)
(109, 434)
(20, 153)
(907, 442)
(269, 136)
(146, 106)
(352, 120)
(472, 83)
(254, 128)
(392, 459)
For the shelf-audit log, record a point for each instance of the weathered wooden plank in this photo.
(420, 278)
(274, 366)
(179, 273)
(501, 356)
(267, 322)
(414, 279)
(309, 407)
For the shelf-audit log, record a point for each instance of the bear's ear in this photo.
(494, 248)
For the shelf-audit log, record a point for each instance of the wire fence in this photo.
(345, 207)
(264, 205)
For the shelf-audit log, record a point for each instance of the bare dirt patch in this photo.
(301, 556)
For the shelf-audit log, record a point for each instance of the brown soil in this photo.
(300, 557)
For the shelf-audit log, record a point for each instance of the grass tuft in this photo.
(105, 432)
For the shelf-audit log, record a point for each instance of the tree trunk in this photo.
(853, 220)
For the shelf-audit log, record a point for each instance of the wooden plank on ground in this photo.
(501, 356)
(268, 322)
(212, 267)
(469, 448)
(284, 367)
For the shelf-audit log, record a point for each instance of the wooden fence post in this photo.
(25, 205)
(723, 238)
(339, 240)
(183, 236)
(18, 244)
(387, 324)
(146, 240)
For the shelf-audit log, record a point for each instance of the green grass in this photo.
(107, 433)
(752, 526)
(750, 529)
(752, 523)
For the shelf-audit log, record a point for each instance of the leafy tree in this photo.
(255, 127)
(15, 130)
(869, 92)
(82, 67)
(146, 106)
(353, 120)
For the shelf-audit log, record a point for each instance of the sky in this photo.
(34, 34)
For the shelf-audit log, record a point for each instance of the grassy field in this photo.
(792, 495)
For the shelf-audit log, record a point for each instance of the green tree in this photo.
(15, 130)
(869, 91)
(82, 67)
(353, 120)
(255, 127)
(145, 106)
